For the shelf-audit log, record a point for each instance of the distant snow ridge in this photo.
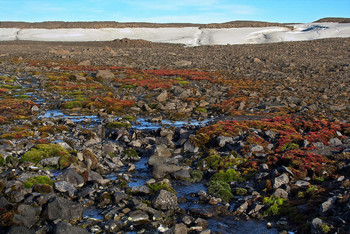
(190, 36)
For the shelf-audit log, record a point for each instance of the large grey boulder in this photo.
(165, 200)
(61, 208)
(26, 216)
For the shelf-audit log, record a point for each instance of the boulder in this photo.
(190, 148)
(67, 228)
(302, 184)
(61, 208)
(183, 174)
(90, 159)
(139, 216)
(72, 177)
(242, 208)
(165, 200)
(142, 189)
(64, 186)
(223, 140)
(26, 216)
(104, 74)
(20, 229)
(182, 63)
(163, 97)
(180, 228)
(50, 162)
(280, 180)
(162, 151)
(161, 170)
(327, 206)
(280, 193)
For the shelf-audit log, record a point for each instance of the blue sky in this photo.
(163, 11)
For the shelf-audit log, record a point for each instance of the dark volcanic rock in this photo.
(165, 200)
(67, 228)
(61, 208)
(26, 216)
(71, 176)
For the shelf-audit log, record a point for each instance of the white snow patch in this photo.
(8, 34)
(190, 36)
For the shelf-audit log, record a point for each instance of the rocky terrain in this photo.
(132, 136)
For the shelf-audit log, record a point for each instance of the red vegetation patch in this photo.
(14, 109)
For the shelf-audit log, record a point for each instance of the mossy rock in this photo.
(118, 125)
(196, 176)
(41, 151)
(66, 160)
(89, 156)
(37, 180)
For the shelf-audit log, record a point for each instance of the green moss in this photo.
(2, 160)
(159, 186)
(196, 176)
(129, 118)
(241, 191)
(290, 146)
(312, 189)
(229, 175)
(37, 180)
(213, 161)
(72, 104)
(6, 86)
(201, 109)
(325, 228)
(23, 96)
(80, 99)
(184, 82)
(131, 86)
(41, 151)
(220, 189)
(131, 154)
(153, 105)
(118, 125)
(275, 204)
